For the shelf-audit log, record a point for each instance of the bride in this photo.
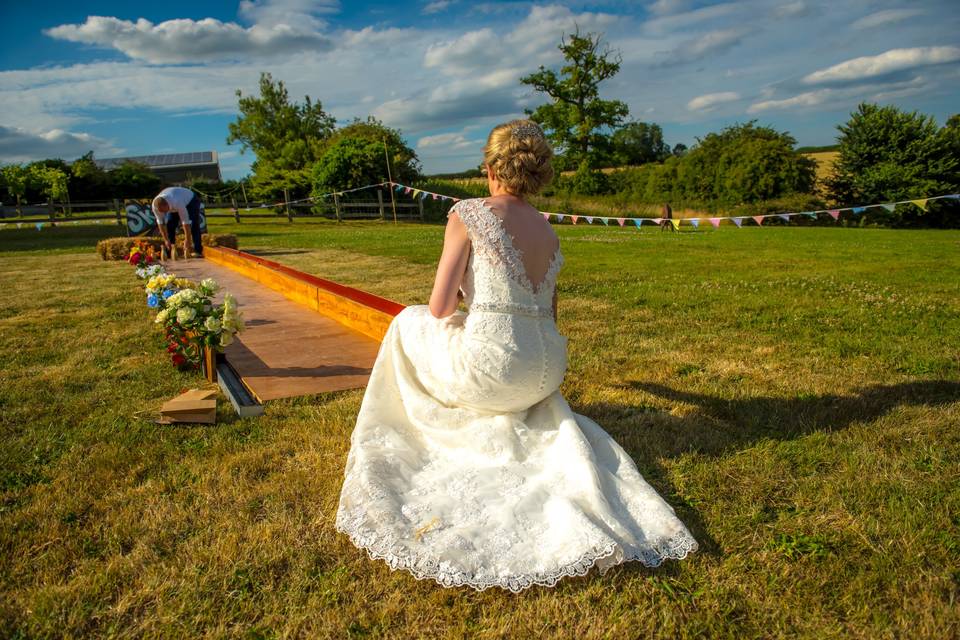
(466, 464)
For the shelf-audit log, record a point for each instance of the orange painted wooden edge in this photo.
(357, 295)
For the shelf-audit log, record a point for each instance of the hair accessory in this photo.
(526, 130)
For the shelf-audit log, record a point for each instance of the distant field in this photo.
(825, 161)
(793, 392)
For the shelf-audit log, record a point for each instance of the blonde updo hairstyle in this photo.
(520, 160)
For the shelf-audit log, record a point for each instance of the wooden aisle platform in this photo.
(294, 348)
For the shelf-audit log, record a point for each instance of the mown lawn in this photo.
(793, 392)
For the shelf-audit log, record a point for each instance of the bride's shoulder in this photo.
(466, 208)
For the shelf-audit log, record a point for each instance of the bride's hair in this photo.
(519, 155)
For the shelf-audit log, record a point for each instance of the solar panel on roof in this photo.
(161, 160)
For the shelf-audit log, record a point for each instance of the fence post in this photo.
(380, 202)
(336, 205)
(286, 202)
(116, 208)
(236, 210)
(420, 204)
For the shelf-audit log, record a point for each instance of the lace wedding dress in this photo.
(466, 463)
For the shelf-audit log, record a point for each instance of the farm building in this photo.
(174, 168)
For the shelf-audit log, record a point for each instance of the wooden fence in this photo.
(383, 208)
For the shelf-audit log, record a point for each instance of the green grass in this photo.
(793, 392)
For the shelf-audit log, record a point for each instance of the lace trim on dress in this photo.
(423, 568)
(495, 242)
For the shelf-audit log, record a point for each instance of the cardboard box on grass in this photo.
(195, 405)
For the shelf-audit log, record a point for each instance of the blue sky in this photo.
(135, 78)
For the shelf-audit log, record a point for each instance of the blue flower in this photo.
(153, 300)
(168, 292)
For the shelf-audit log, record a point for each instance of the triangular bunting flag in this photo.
(589, 219)
(621, 221)
(657, 220)
(39, 226)
(812, 214)
(834, 213)
(758, 220)
(785, 216)
(638, 222)
(436, 197)
(675, 222)
(605, 220)
(737, 221)
(19, 224)
(922, 203)
(546, 217)
(695, 222)
(574, 219)
(715, 222)
(859, 210)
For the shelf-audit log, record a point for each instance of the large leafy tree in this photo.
(356, 155)
(576, 118)
(287, 137)
(887, 154)
(638, 143)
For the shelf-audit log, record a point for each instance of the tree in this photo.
(17, 179)
(87, 180)
(576, 117)
(679, 149)
(134, 180)
(638, 143)
(887, 154)
(286, 137)
(355, 156)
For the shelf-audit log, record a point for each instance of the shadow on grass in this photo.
(63, 237)
(722, 425)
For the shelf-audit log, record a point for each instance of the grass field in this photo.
(793, 392)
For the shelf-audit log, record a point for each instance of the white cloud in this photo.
(711, 100)
(808, 99)
(19, 145)
(886, 17)
(792, 10)
(889, 62)
(190, 41)
(667, 7)
(436, 7)
(288, 12)
(445, 140)
(710, 44)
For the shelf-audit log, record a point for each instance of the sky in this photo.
(122, 78)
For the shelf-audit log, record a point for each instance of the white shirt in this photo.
(178, 198)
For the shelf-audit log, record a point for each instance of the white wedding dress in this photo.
(466, 463)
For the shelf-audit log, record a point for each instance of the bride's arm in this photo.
(453, 263)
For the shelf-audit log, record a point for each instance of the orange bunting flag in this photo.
(574, 219)
(758, 219)
(621, 221)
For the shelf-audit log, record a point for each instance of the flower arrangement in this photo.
(192, 321)
(149, 271)
(163, 285)
(142, 254)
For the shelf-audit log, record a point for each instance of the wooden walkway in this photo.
(287, 349)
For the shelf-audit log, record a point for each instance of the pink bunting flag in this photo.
(758, 220)
(715, 222)
(574, 219)
(621, 221)
(834, 213)
(657, 220)
(546, 217)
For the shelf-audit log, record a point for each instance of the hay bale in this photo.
(119, 248)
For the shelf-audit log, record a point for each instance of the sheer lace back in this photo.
(500, 275)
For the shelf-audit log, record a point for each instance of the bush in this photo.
(119, 248)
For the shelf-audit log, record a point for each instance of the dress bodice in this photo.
(496, 278)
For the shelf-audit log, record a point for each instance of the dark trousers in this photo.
(193, 208)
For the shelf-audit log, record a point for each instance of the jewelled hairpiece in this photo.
(526, 131)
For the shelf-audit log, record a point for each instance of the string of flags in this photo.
(423, 194)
